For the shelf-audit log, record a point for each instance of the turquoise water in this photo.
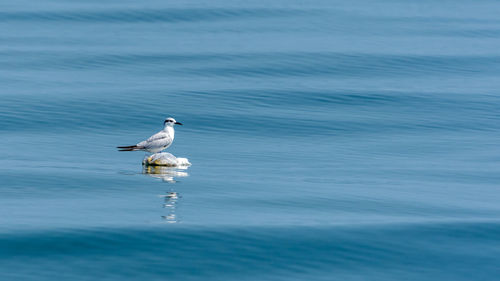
(330, 140)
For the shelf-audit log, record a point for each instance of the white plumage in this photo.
(158, 141)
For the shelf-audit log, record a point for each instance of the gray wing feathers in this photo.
(157, 136)
(157, 140)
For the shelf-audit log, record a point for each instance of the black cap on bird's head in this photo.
(171, 121)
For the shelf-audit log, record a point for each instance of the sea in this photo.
(329, 140)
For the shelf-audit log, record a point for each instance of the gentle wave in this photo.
(469, 33)
(149, 16)
(300, 64)
(277, 253)
(372, 112)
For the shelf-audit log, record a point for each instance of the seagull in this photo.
(156, 142)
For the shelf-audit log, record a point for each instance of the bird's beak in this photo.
(178, 123)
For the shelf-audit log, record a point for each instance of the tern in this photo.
(158, 141)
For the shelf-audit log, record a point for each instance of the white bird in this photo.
(158, 141)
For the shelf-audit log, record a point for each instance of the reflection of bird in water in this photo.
(158, 141)
(170, 204)
(166, 174)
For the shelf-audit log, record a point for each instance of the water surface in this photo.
(330, 140)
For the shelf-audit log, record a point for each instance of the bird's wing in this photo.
(157, 136)
(157, 140)
(159, 143)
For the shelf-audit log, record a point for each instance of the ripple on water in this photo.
(406, 251)
(171, 15)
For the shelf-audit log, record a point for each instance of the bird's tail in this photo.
(128, 148)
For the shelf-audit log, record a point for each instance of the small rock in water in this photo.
(165, 159)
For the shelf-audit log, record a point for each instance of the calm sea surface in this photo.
(330, 140)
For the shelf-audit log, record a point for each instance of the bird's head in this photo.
(171, 122)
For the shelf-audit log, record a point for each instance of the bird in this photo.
(156, 142)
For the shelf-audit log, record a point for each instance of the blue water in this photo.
(330, 140)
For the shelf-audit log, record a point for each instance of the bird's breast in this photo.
(170, 132)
